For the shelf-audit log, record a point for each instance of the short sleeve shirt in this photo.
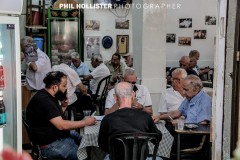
(98, 74)
(170, 100)
(81, 70)
(198, 109)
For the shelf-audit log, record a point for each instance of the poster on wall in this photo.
(121, 24)
(184, 41)
(92, 44)
(185, 23)
(92, 25)
(170, 38)
(200, 34)
(122, 44)
(210, 20)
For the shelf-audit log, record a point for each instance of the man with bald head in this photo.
(124, 120)
(183, 63)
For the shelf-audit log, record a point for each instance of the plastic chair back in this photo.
(99, 98)
(135, 145)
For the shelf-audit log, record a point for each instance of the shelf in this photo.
(36, 27)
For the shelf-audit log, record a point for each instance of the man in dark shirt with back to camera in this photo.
(124, 120)
(55, 136)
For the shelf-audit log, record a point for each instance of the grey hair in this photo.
(181, 71)
(123, 90)
(195, 81)
(26, 40)
(185, 58)
(194, 53)
(97, 57)
(129, 72)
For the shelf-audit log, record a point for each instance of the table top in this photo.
(201, 129)
(90, 138)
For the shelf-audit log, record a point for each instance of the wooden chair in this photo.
(135, 145)
(100, 98)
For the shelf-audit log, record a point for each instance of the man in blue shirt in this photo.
(196, 108)
(81, 68)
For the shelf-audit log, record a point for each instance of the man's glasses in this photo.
(131, 82)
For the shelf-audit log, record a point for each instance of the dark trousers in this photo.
(83, 102)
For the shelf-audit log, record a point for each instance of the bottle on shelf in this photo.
(2, 110)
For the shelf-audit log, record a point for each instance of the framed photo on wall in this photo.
(92, 46)
(184, 41)
(185, 23)
(200, 34)
(122, 44)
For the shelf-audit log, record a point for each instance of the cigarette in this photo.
(170, 118)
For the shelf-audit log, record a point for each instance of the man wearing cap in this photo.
(128, 59)
(116, 68)
(38, 67)
(80, 67)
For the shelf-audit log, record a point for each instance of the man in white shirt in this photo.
(101, 71)
(142, 99)
(36, 70)
(172, 98)
(79, 102)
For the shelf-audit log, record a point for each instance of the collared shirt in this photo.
(34, 80)
(72, 81)
(198, 109)
(170, 100)
(82, 69)
(98, 74)
(114, 72)
(142, 95)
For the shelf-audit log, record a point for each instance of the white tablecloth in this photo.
(90, 138)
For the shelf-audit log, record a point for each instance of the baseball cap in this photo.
(75, 55)
(127, 54)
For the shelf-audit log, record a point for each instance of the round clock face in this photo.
(107, 42)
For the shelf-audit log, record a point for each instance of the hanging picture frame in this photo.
(92, 44)
(122, 44)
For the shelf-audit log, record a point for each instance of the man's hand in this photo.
(64, 104)
(137, 105)
(156, 119)
(90, 121)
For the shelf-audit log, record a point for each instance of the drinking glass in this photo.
(87, 113)
(180, 124)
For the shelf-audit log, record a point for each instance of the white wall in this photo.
(197, 10)
(107, 28)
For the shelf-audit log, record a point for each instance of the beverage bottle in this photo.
(2, 110)
(1, 77)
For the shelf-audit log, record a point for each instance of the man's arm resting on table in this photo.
(172, 114)
(112, 109)
(62, 124)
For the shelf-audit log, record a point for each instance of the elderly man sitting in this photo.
(77, 65)
(116, 68)
(183, 63)
(142, 99)
(171, 98)
(101, 71)
(196, 108)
